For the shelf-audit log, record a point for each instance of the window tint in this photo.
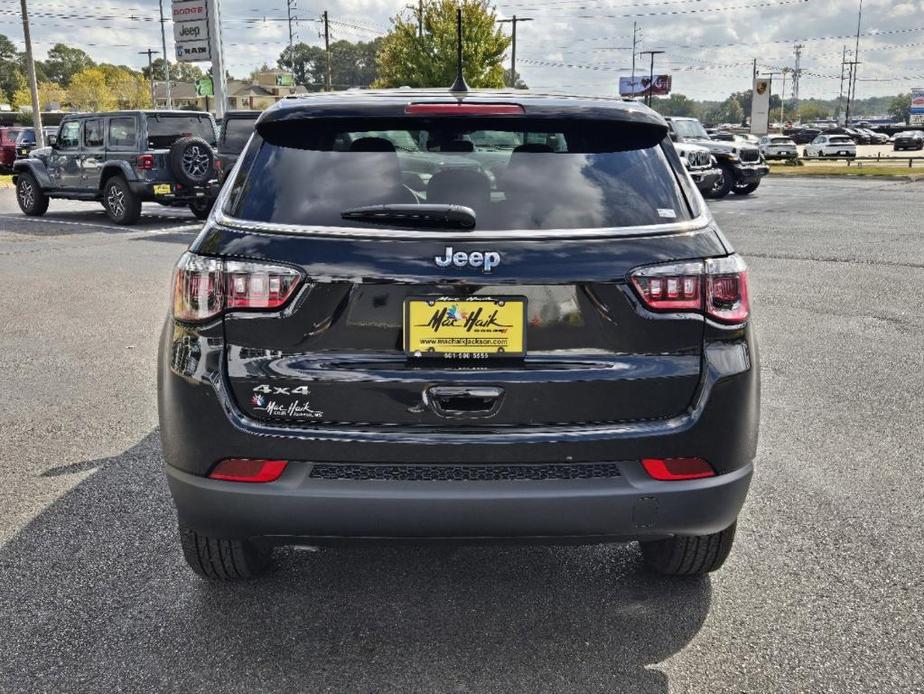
(26, 137)
(69, 137)
(93, 132)
(302, 176)
(237, 131)
(163, 131)
(122, 132)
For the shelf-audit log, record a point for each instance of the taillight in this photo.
(717, 287)
(144, 162)
(204, 287)
(248, 470)
(673, 469)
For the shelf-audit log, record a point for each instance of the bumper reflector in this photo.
(248, 470)
(670, 469)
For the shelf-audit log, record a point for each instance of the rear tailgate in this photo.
(337, 353)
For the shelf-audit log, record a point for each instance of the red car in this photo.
(8, 148)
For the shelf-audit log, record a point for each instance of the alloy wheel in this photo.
(195, 162)
(115, 200)
(26, 194)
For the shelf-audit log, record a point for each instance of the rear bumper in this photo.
(299, 508)
(145, 190)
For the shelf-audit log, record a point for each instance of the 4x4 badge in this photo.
(487, 260)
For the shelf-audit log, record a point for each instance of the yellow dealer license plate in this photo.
(162, 189)
(477, 327)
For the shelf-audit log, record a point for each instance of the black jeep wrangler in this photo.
(122, 159)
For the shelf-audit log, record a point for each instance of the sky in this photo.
(575, 46)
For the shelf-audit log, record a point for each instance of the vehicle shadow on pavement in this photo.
(96, 597)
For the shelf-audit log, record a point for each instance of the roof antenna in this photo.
(459, 85)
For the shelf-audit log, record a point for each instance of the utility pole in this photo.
(150, 53)
(783, 100)
(851, 86)
(754, 70)
(163, 42)
(797, 75)
(291, 5)
(513, 50)
(33, 84)
(840, 96)
(650, 74)
(420, 19)
(634, 50)
(327, 50)
(852, 94)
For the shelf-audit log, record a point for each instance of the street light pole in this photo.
(650, 74)
(33, 84)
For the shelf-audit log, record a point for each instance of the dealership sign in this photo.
(191, 30)
(917, 106)
(760, 106)
(642, 86)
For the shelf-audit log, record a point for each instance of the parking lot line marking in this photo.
(95, 225)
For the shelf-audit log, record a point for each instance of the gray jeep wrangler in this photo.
(122, 159)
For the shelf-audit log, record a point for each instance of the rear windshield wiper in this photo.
(431, 215)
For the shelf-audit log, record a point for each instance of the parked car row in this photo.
(18, 142)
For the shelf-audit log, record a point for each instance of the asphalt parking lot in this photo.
(822, 593)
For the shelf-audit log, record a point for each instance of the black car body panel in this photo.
(604, 383)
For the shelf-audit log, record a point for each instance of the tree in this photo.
(179, 72)
(519, 84)
(50, 95)
(64, 62)
(900, 108)
(129, 88)
(430, 61)
(731, 111)
(675, 105)
(88, 91)
(351, 64)
(12, 76)
(813, 110)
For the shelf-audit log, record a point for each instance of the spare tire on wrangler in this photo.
(192, 161)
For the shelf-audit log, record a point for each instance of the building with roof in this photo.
(263, 91)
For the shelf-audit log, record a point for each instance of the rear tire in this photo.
(689, 556)
(202, 207)
(224, 560)
(30, 196)
(122, 205)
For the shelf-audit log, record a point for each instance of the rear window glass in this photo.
(841, 139)
(26, 137)
(237, 131)
(163, 131)
(527, 175)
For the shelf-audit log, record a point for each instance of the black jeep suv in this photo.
(420, 315)
(122, 159)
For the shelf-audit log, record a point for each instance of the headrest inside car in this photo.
(372, 144)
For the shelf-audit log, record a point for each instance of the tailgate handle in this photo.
(462, 401)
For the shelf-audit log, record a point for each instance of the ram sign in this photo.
(917, 106)
(639, 86)
(191, 30)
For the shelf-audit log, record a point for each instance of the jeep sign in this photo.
(191, 30)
